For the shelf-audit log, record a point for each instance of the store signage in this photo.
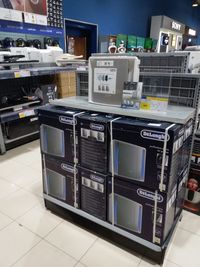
(176, 26)
(192, 32)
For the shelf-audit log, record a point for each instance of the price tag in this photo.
(22, 73)
(26, 113)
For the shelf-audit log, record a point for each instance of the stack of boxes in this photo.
(94, 141)
(66, 83)
(146, 164)
(60, 153)
(130, 172)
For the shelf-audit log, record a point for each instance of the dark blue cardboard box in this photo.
(135, 207)
(56, 132)
(93, 193)
(94, 140)
(138, 147)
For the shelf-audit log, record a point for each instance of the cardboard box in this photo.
(93, 193)
(94, 140)
(66, 82)
(138, 147)
(56, 132)
(135, 210)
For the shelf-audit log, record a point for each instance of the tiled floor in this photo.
(30, 236)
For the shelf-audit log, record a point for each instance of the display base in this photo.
(108, 235)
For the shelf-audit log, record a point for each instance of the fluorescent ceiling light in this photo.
(195, 3)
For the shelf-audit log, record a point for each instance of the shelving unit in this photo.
(173, 115)
(21, 72)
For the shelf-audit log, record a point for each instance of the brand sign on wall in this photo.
(172, 25)
(176, 26)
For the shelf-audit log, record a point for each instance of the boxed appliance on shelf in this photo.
(181, 191)
(58, 180)
(56, 131)
(23, 126)
(192, 200)
(66, 83)
(93, 193)
(139, 154)
(107, 78)
(29, 53)
(94, 138)
(47, 92)
(146, 213)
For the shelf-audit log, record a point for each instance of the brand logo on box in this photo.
(96, 127)
(149, 195)
(66, 120)
(68, 168)
(154, 135)
(96, 178)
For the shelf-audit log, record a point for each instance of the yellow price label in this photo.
(22, 115)
(145, 105)
(17, 75)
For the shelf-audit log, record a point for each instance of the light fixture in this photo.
(195, 3)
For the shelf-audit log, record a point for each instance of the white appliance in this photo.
(107, 78)
(46, 56)
(193, 60)
(56, 52)
(29, 53)
(2, 54)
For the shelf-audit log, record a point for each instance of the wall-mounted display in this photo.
(29, 11)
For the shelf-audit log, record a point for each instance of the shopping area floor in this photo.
(31, 236)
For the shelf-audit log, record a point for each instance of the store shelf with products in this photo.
(36, 70)
(22, 92)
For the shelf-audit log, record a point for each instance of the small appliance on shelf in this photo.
(108, 76)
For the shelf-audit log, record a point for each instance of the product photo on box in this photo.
(94, 140)
(58, 180)
(93, 193)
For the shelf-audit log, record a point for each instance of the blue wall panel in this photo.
(130, 16)
(119, 16)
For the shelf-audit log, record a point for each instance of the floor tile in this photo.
(80, 265)
(25, 176)
(71, 239)
(10, 167)
(40, 221)
(27, 157)
(35, 188)
(148, 263)
(4, 221)
(103, 253)
(190, 222)
(7, 188)
(45, 255)
(185, 249)
(15, 241)
(17, 203)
